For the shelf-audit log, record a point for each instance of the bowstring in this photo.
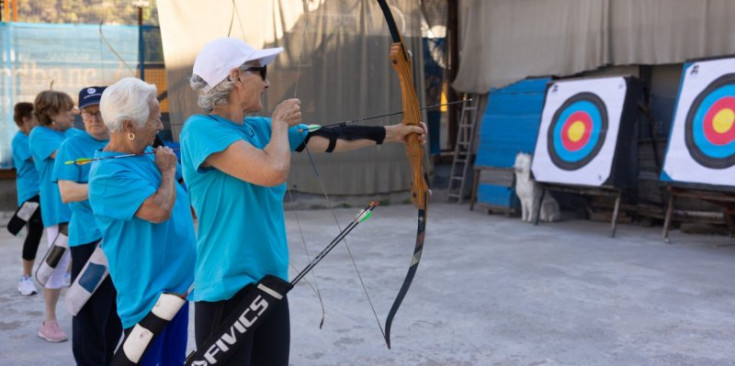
(288, 189)
(321, 183)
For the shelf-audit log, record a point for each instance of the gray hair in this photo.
(127, 100)
(219, 94)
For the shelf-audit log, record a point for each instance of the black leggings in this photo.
(268, 345)
(35, 231)
(96, 329)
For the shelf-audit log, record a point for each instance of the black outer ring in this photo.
(694, 150)
(597, 102)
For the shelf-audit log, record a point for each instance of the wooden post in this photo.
(667, 219)
(6, 10)
(616, 212)
(452, 40)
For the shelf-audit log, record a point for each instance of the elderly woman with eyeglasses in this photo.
(235, 167)
(144, 216)
(96, 327)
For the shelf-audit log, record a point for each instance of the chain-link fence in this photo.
(36, 56)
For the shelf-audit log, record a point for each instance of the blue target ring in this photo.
(709, 130)
(577, 131)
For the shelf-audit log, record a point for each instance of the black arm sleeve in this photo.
(348, 133)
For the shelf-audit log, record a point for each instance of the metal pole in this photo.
(141, 44)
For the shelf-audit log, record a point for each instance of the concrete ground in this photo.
(490, 290)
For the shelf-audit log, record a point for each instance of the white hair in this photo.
(219, 94)
(127, 100)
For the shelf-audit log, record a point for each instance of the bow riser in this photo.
(401, 63)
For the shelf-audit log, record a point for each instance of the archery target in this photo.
(702, 141)
(579, 130)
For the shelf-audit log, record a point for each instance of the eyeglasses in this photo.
(87, 115)
(261, 69)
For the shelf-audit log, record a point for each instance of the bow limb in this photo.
(401, 63)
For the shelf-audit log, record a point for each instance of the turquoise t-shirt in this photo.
(82, 228)
(26, 181)
(44, 141)
(145, 259)
(242, 233)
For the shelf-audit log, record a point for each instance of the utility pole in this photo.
(140, 4)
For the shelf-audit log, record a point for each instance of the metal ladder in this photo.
(463, 147)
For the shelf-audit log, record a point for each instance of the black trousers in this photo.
(96, 329)
(35, 231)
(268, 345)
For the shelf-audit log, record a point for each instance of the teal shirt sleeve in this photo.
(118, 192)
(206, 138)
(63, 171)
(296, 138)
(43, 144)
(20, 150)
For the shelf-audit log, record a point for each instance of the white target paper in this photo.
(611, 91)
(679, 164)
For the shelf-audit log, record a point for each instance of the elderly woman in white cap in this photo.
(235, 168)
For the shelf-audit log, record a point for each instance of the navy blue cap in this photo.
(90, 96)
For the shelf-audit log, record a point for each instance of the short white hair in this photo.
(127, 100)
(219, 94)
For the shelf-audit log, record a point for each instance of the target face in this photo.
(702, 141)
(577, 131)
(710, 124)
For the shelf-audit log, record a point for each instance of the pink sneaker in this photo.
(52, 332)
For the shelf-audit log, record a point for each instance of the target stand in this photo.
(587, 141)
(700, 158)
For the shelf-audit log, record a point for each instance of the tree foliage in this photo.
(85, 11)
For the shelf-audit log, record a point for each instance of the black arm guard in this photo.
(348, 133)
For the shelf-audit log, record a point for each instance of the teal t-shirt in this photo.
(145, 259)
(44, 141)
(82, 228)
(26, 181)
(241, 234)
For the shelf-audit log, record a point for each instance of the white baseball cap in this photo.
(219, 57)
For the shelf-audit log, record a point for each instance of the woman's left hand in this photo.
(399, 132)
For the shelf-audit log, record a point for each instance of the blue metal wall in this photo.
(510, 125)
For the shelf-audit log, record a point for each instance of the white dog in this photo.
(529, 192)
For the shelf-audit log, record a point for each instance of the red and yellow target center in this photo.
(719, 122)
(723, 120)
(575, 133)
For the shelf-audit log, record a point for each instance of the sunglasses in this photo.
(260, 69)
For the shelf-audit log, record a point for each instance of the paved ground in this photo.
(490, 290)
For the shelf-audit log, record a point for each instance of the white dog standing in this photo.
(529, 192)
